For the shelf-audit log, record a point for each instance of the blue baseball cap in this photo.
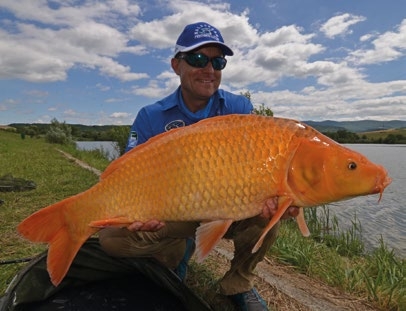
(198, 34)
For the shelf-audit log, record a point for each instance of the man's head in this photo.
(199, 34)
(198, 61)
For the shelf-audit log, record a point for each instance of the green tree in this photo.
(261, 109)
(246, 94)
(343, 136)
(32, 131)
(390, 139)
(120, 135)
(59, 133)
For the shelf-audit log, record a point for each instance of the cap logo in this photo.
(206, 31)
(199, 34)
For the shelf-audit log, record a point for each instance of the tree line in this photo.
(62, 133)
(347, 137)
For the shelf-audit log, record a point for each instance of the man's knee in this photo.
(110, 240)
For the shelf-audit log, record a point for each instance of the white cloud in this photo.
(103, 88)
(366, 37)
(113, 69)
(10, 101)
(71, 113)
(73, 36)
(114, 100)
(340, 25)
(162, 33)
(71, 13)
(37, 93)
(158, 88)
(339, 102)
(120, 115)
(386, 47)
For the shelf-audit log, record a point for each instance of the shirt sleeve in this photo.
(241, 105)
(140, 130)
(248, 108)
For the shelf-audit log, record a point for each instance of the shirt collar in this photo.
(171, 101)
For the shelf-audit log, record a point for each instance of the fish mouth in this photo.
(381, 185)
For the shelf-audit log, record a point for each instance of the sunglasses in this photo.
(200, 60)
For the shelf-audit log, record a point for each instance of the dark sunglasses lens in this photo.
(201, 61)
(197, 60)
(218, 63)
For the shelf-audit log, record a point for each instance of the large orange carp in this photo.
(217, 171)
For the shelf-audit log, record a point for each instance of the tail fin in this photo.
(50, 225)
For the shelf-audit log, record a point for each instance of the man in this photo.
(198, 60)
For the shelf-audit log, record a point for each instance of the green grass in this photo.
(95, 158)
(333, 256)
(56, 178)
(338, 259)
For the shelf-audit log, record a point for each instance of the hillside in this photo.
(356, 126)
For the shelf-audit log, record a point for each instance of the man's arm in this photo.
(270, 209)
(141, 130)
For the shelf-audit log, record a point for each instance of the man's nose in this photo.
(209, 67)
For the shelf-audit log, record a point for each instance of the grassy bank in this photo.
(381, 135)
(378, 276)
(337, 258)
(56, 178)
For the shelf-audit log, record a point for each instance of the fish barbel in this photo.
(217, 171)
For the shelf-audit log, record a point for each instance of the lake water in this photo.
(109, 147)
(386, 219)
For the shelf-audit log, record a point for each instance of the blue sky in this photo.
(99, 62)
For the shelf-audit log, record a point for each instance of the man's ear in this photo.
(175, 65)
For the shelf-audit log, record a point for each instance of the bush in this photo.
(59, 133)
(120, 135)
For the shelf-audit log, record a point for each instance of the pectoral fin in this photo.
(208, 234)
(283, 204)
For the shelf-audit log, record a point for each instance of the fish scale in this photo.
(217, 171)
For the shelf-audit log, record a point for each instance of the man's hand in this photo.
(151, 225)
(271, 207)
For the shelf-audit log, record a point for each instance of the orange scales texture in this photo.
(200, 170)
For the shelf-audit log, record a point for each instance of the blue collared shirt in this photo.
(171, 112)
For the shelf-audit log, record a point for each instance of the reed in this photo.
(339, 259)
(325, 228)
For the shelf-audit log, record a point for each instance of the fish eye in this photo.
(352, 165)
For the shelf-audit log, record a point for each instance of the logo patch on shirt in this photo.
(174, 124)
(133, 135)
